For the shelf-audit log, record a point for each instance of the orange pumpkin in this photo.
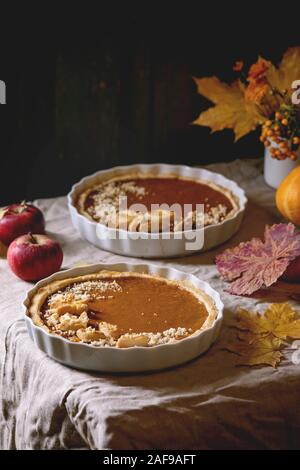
(288, 197)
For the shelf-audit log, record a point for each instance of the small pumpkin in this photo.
(288, 196)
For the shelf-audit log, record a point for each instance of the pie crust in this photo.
(81, 309)
(104, 205)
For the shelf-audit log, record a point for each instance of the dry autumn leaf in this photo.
(279, 319)
(262, 350)
(231, 111)
(288, 70)
(260, 336)
(256, 264)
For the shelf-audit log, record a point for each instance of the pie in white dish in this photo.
(162, 232)
(134, 338)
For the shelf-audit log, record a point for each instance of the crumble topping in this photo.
(215, 215)
(86, 291)
(143, 339)
(152, 339)
(107, 198)
(199, 219)
(69, 322)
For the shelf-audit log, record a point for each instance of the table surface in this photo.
(206, 404)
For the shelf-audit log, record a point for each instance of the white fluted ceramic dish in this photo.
(135, 359)
(155, 245)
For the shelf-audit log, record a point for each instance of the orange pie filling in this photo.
(156, 203)
(120, 309)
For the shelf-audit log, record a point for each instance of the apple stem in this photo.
(23, 206)
(32, 239)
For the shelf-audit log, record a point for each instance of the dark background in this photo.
(87, 92)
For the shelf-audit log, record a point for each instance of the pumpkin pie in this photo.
(156, 203)
(122, 309)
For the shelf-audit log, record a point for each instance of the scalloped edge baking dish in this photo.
(135, 359)
(153, 245)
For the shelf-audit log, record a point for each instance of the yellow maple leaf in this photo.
(231, 110)
(260, 336)
(280, 319)
(288, 71)
(261, 350)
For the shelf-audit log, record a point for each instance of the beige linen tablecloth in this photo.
(206, 404)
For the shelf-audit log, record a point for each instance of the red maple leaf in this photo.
(256, 264)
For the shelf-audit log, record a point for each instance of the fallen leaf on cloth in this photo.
(280, 320)
(264, 350)
(256, 264)
(260, 337)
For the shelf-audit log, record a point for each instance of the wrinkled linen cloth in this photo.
(208, 403)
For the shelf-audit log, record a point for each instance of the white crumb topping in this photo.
(85, 291)
(69, 322)
(196, 219)
(107, 199)
(151, 339)
(215, 215)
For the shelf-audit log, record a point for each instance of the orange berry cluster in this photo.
(281, 136)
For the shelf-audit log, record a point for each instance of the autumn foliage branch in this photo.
(262, 97)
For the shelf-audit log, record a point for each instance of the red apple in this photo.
(18, 219)
(33, 257)
(292, 272)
